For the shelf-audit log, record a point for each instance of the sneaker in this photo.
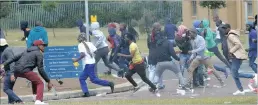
(207, 79)
(239, 93)
(20, 102)
(136, 88)
(156, 92)
(161, 87)
(255, 80)
(34, 97)
(107, 73)
(87, 94)
(60, 82)
(38, 102)
(112, 86)
(120, 73)
(222, 83)
(181, 91)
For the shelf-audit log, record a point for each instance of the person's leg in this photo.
(194, 64)
(215, 50)
(140, 69)
(221, 69)
(97, 58)
(129, 75)
(151, 70)
(200, 76)
(83, 77)
(105, 60)
(209, 66)
(236, 63)
(8, 89)
(225, 53)
(252, 63)
(183, 62)
(94, 79)
(158, 72)
(35, 80)
(195, 78)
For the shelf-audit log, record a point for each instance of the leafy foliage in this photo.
(213, 4)
(4, 9)
(49, 6)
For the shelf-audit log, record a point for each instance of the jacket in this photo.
(152, 47)
(82, 28)
(27, 61)
(164, 51)
(5, 55)
(199, 47)
(37, 33)
(210, 35)
(235, 46)
(184, 44)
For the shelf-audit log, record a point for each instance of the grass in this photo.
(68, 36)
(204, 101)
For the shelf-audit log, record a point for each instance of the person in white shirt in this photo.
(87, 50)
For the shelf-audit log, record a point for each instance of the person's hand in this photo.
(189, 61)
(74, 59)
(189, 52)
(178, 52)
(119, 54)
(2, 67)
(12, 78)
(247, 50)
(49, 86)
(230, 55)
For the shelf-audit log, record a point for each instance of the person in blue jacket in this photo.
(252, 50)
(37, 33)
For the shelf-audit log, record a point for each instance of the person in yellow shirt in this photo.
(137, 65)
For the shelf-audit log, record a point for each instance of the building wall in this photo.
(233, 13)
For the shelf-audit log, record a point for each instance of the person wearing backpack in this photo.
(237, 54)
(87, 51)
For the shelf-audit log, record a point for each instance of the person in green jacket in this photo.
(209, 37)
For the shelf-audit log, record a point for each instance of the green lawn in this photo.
(68, 36)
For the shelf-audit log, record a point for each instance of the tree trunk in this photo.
(54, 32)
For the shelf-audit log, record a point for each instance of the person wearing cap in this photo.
(136, 65)
(37, 33)
(87, 51)
(7, 53)
(252, 50)
(170, 29)
(237, 54)
(198, 57)
(24, 65)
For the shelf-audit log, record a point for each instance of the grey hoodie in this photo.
(99, 39)
(199, 47)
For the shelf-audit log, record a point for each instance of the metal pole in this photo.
(87, 19)
(246, 20)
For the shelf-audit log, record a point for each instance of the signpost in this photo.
(58, 62)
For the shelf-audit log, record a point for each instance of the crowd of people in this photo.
(196, 45)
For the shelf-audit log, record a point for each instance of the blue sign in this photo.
(58, 62)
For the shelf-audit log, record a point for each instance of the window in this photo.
(194, 8)
(249, 8)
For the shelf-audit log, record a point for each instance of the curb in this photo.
(78, 93)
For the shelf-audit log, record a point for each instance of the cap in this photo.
(3, 42)
(38, 42)
(112, 25)
(226, 26)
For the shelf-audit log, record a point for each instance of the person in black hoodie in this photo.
(25, 29)
(165, 50)
(24, 65)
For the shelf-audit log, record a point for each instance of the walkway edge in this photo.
(78, 93)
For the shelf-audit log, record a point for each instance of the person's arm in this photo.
(45, 38)
(132, 49)
(13, 59)
(10, 55)
(39, 58)
(236, 42)
(208, 36)
(29, 41)
(100, 40)
(254, 36)
(172, 51)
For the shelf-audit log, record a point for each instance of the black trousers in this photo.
(140, 70)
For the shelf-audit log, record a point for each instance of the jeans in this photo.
(153, 77)
(89, 72)
(236, 63)
(207, 63)
(252, 63)
(37, 84)
(167, 65)
(198, 76)
(215, 50)
(8, 89)
(183, 62)
(218, 68)
(102, 53)
(140, 70)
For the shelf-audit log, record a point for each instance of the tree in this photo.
(50, 7)
(213, 5)
(5, 9)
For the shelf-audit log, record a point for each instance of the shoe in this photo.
(60, 82)
(156, 92)
(226, 74)
(222, 83)
(161, 87)
(181, 91)
(255, 79)
(107, 73)
(238, 92)
(34, 97)
(20, 102)
(120, 73)
(207, 79)
(87, 94)
(38, 102)
(112, 86)
(136, 88)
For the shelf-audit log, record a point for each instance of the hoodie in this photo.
(5, 55)
(25, 29)
(27, 61)
(99, 39)
(199, 48)
(37, 33)
(170, 30)
(196, 25)
(113, 38)
(252, 45)
(210, 35)
(82, 28)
